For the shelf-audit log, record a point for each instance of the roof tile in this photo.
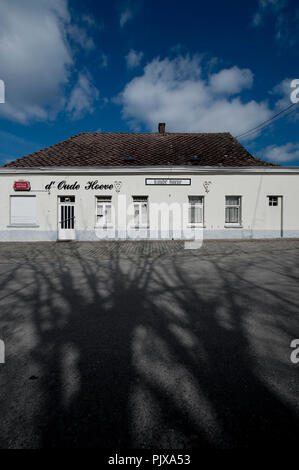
(148, 149)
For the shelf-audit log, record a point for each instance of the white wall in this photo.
(258, 219)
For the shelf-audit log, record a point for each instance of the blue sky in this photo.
(123, 66)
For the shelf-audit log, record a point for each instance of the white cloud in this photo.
(35, 57)
(257, 19)
(92, 22)
(285, 15)
(267, 6)
(104, 61)
(176, 92)
(231, 81)
(133, 59)
(284, 90)
(80, 36)
(125, 16)
(89, 20)
(82, 97)
(283, 153)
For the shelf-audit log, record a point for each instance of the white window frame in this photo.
(105, 201)
(32, 223)
(236, 206)
(138, 204)
(200, 205)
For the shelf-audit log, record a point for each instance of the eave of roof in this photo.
(151, 170)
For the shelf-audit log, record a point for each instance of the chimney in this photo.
(161, 127)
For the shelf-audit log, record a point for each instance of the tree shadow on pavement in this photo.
(159, 352)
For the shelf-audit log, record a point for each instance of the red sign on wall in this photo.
(21, 186)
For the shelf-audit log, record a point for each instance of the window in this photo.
(273, 201)
(104, 211)
(23, 210)
(233, 210)
(140, 211)
(67, 198)
(196, 210)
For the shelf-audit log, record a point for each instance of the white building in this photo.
(95, 186)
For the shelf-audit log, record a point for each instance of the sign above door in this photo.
(168, 181)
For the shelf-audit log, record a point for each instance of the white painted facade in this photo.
(253, 185)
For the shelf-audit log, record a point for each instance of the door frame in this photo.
(280, 198)
(66, 233)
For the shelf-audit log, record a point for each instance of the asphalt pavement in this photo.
(149, 345)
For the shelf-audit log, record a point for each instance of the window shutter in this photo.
(23, 210)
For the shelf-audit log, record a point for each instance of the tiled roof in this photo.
(136, 149)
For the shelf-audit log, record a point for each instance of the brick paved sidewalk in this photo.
(128, 249)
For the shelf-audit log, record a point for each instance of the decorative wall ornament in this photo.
(206, 185)
(117, 185)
